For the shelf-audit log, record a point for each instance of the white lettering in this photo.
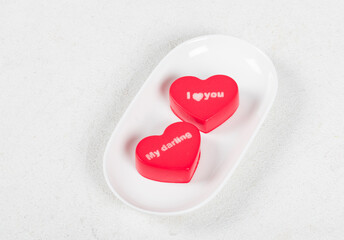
(204, 96)
(188, 95)
(157, 153)
(174, 142)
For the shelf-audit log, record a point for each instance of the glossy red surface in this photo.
(172, 156)
(204, 103)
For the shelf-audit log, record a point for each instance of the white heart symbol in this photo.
(197, 96)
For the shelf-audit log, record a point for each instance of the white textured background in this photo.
(69, 69)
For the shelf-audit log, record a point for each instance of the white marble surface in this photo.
(68, 70)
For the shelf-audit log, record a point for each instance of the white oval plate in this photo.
(149, 114)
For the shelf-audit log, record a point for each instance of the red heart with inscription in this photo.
(205, 103)
(172, 156)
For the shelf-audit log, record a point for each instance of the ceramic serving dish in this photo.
(221, 150)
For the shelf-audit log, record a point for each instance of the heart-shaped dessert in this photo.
(204, 103)
(172, 156)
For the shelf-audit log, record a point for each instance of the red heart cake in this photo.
(205, 103)
(172, 156)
